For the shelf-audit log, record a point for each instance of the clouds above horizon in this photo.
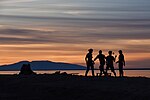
(78, 9)
(70, 36)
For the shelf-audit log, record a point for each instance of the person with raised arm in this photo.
(101, 58)
(110, 62)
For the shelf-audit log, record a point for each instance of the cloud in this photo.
(136, 48)
(34, 36)
(15, 1)
(143, 63)
(71, 36)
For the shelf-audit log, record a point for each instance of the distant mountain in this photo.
(42, 65)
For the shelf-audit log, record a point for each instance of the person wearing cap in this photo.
(110, 62)
(89, 62)
(101, 58)
(121, 63)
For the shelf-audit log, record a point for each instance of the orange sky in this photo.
(73, 53)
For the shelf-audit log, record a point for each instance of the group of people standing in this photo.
(108, 60)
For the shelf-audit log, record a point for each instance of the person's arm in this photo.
(124, 61)
(117, 62)
(115, 58)
(105, 57)
(96, 58)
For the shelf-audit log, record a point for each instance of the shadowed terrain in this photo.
(67, 87)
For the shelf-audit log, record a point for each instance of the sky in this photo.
(63, 30)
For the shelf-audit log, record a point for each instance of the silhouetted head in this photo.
(110, 52)
(120, 51)
(100, 51)
(90, 50)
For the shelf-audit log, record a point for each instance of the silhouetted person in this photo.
(121, 63)
(89, 62)
(110, 62)
(101, 58)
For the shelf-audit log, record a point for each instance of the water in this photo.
(129, 73)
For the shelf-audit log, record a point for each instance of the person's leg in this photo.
(122, 73)
(121, 69)
(102, 69)
(114, 73)
(113, 70)
(92, 68)
(107, 68)
(87, 70)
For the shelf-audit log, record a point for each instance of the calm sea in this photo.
(129, 73)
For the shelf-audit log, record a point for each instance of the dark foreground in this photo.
(64, 87)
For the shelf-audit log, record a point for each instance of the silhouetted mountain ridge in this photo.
(43, 65)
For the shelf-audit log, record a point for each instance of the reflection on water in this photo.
(136, 73)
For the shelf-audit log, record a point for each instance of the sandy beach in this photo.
(67, 87)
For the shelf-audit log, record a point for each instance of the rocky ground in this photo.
(68, 87)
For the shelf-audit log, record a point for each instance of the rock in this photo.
(26, 70)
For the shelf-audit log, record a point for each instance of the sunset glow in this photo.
(63, 30)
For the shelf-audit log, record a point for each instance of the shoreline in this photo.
(73, 75)
(128, 73)
(71, 69)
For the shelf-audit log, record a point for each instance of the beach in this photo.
(73, 87)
